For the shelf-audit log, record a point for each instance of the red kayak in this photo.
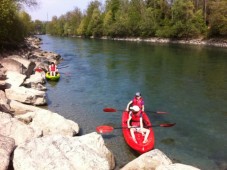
(140, 147)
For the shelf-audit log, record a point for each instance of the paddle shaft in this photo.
(114, 110)
(108, 129)
(160, 125)
(62, 67)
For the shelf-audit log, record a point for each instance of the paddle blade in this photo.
(104, 129)
(109, 109)
(167, 124)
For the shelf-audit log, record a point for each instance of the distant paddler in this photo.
(53, 69)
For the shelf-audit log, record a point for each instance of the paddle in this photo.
(62, 67)
(109, 109)
(108, 129)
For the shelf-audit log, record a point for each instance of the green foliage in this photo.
(95, 24)
(218, 18)
(161, 18)
(108, 24)
(39, 27)
(8, 18)
(184, 23)
(148, 24)
(113, 7)
(120, 18)
(15, 24)
(121, 26)
(109, 17)
(26, 23)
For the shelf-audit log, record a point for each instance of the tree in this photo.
(121, 26)
(217, 18)
(108, 23)
(95, 24)
(29, 3)
(26, 22)
(84, 28)
(8, 20)
(72, 21)
(39, 27)
(184, 22)
(135, 11)
(109, 18)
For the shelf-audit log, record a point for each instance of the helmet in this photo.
(138, 94)
(135, 108)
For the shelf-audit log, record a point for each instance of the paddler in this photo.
(53, 69)
(135, 123)
(136, 101)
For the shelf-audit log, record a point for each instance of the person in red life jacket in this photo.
(53, 69)
(138, 101)
(135, 123)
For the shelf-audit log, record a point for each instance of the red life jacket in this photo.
(136, 116)
(139, 102)
(53, 68)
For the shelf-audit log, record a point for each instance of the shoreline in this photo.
(202, 42)
(215, 42)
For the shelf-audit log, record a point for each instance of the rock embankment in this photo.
(199, 41)
(35, 138)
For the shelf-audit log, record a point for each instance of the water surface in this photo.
(189, 82)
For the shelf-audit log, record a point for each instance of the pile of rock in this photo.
(35, 138)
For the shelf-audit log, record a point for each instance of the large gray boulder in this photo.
(36, 81)
(148, 161)
(57, 152)
(155, 160)
(6, 147)
(14, 79)
(12, 65)
(19, 131)
(176, 166)
(26, 95)
(49, 122)
(2, 73)
(4, 103)
(29, 66)
(21, 108)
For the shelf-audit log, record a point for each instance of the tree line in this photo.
(15, 24)
(144, 18)
(119, 18)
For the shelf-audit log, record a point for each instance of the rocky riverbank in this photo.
(35, 138)
(217, 42)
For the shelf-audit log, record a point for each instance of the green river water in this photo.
(188, 82)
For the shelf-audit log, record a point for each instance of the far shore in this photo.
(205, 42)
(217, 42)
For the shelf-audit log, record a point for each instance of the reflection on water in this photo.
(189, 82)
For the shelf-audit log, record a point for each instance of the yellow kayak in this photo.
(53, 78)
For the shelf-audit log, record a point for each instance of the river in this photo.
(187, 81)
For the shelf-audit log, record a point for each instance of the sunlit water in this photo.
(189, 82)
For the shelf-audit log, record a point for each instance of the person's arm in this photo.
(141, 122)
(143, 108)
(141, 125)
(127, 108)
(128, 121)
